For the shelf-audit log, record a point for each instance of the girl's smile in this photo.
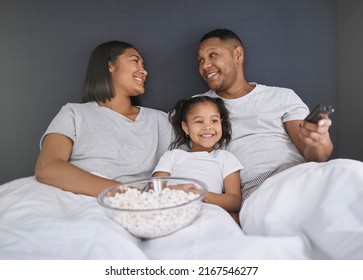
(203, 125)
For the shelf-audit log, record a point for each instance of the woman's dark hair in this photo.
(180, 112)
(97, 85)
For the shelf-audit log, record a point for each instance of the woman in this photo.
(92, 146)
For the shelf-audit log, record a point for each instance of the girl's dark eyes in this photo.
(212, 121)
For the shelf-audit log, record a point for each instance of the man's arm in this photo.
(312, 140)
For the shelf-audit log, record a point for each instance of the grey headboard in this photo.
(45, 47)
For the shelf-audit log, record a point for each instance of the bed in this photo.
(286, 218)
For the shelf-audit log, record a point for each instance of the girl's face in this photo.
(128, 74)
(204, 127)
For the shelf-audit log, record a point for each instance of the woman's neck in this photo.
(122, 106)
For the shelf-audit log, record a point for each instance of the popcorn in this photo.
(151, 214)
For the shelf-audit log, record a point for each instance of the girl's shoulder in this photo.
(226, 155)
(178, 152)
(175, 154)
(228, 160)
(223, 152)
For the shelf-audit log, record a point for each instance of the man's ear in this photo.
(185, 128)
(239, 54)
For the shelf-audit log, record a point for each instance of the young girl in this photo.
(202, 125)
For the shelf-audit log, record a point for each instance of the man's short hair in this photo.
(222, 34)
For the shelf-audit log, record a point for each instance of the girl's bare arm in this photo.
(230, 200)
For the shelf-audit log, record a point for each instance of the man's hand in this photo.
(312, 140)
(315, 134)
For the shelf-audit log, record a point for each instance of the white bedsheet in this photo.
(42, 222)
(321, 202)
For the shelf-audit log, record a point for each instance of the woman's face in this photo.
(128, 74)
(203, 125)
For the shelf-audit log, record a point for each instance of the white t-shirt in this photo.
(106, 142)
(259, 138)
(210, 168)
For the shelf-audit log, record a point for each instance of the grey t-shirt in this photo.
(107, 143)
(259, 138)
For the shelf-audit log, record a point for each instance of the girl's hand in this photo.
(186, 187)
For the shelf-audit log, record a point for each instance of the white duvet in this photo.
(321, 202)
(287, 218)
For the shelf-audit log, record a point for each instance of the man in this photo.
(269, 134)
(319, 200)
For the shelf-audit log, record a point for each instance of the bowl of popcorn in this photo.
(155, 206)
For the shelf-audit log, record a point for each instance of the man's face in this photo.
(218, 64)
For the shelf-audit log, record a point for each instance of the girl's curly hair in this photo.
(180, 111)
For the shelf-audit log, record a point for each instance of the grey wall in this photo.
(350, 45)
(45, 45)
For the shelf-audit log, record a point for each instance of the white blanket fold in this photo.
(321, 202)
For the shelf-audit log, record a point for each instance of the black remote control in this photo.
(314, 115)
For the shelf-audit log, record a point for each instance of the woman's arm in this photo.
(53, 168)
(230, 200)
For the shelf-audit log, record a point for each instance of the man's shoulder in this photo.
(275, 89)
(210, 93)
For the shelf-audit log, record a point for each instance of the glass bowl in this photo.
(155, 206)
